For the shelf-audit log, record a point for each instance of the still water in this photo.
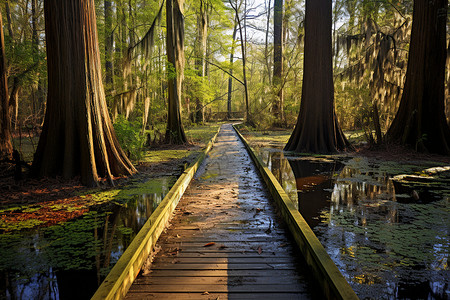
(69, 261)
(386, 246)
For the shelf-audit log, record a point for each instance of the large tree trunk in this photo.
(5, 121)
(278, 103)
(317, 128)
(175, 57)
(78, 138)
(420, 121)
(200, 49)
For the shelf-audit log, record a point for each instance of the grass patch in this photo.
(159, 156)
(202, 134)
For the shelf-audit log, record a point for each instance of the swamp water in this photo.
(69, 261)
(386, 246)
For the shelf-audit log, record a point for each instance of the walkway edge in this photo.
(125, 271)
(325, 271)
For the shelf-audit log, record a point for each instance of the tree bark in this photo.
(200, 49)
(317, 128)
(109, 44)
(278, 103)
(78, 138)
(230, 79)
(5, 120)
(8, 18)
(266, 45)
(248, 117)
(175, 57)
(420, 121)
(38, 90)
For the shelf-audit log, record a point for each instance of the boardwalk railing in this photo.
(122, 275)
(332, 282)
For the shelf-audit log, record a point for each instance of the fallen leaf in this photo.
(259, 250)
(174, 251)
(205, 293)
(209, 244)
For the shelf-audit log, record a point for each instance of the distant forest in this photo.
(76, 73)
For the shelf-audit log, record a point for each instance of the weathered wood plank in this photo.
(218, 288)
(203, 273)
(222, 254)
(226, 266)
(223, 260)
(227, 280)
(219, 296)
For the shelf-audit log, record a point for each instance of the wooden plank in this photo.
(225, 237)
(218, 288)
(230, 280)
(226, 266)
(203, 273)
(183, 249)
(276, 245)
(216, 296)
(221, 254)
(224, 260)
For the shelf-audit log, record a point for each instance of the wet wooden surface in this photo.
(225, 240)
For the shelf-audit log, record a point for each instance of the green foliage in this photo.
(130, 137)
(201, 134)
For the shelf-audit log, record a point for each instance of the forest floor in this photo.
(32, 202)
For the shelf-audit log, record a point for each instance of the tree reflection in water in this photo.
(385, 249)
(69, 261)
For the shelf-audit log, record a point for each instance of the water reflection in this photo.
(313, 180)
(70, 260)
(385, 249)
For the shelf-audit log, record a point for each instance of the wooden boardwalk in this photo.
(225, 240)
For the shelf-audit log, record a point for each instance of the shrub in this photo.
(130, 137)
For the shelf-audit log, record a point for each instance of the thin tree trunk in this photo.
(78, 138)
(175, 57)
(5, 120)
(230, 79)
(200, 49)
(38, 91)
(14, 100)
(420, 121)
(278, 103)
(266, 46)
(317, 128)
(244, 61)
(8, 19)
(109, 41)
